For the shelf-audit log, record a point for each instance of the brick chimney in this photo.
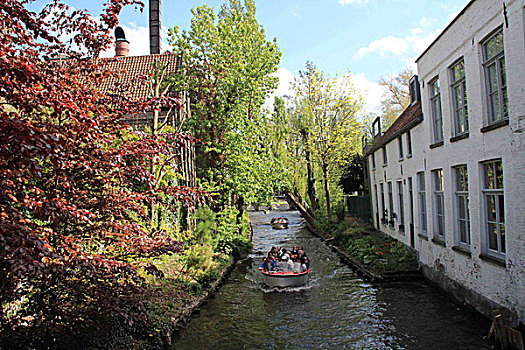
(121, 44)
(154, 26)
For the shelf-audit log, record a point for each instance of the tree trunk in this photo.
(240, 208)
(153, 168)
(312, 193)
(327, 192)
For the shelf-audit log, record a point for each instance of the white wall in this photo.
(501, 285)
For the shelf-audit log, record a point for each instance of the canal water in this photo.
(337, 309)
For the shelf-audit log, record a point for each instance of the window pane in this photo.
(493, 236)
(458, 95)
(502, 71)
(465, 109)
(463, 231)
(461, 207)
(499, 174)
(498, 42)
(465, 178)
(409, 142)
(501, 207)
(494, 46)
(489, 176)
(491, 208)
(493, 78)
(438, 180)
(441, 226)
(458, 71)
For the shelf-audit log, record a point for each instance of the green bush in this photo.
(381, 254)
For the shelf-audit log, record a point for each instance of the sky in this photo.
(367, 39)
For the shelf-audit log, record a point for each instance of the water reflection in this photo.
(335, 310)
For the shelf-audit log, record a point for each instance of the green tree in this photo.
(352, 177)
(397, 97)
(228, 64)
(329, 107)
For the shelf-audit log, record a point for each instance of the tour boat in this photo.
(279, 223)
(285, 279)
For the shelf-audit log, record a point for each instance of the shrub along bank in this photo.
(372, 250)
(182, 281)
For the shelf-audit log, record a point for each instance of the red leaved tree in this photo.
(75, 182)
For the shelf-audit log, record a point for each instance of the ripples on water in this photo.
(335, 310)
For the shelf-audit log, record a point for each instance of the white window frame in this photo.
(438, 183)
(501, 89)
(383, 206)
(422, 203)
(385, 155)
(462, 203)
(401, 206)
(459, 105)
(497, 193)
(390, 204)
(436, 110)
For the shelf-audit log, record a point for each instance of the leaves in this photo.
(228, 63)
(75, 180)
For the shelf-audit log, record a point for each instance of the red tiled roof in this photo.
(410, 117)
(129, 68)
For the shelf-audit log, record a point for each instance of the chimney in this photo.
(121, 44)
(154, 26)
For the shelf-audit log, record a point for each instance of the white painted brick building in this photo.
(457, 194)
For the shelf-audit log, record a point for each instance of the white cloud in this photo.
(411, 63)
(285, 88)
(352, 2)
(299, 16)
(413, 44)
(384, 46)
(369, 90)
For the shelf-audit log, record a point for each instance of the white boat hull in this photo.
(285, 279)
(280, 225)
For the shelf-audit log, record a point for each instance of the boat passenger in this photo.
(289, 264)
(305, 263)
(296, 267)
(295, 250)
(271, 262)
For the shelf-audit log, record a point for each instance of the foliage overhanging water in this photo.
(336, 309)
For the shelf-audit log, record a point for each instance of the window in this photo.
(459, 98)
(385, 159)
(494, 207)
(377, 204)
(391, 205)
(401, 206)
(422, 202)
(400, 143)
(462, 205)
(414, 89)
(409, 144)
(439, 204)
(383, 217)
(373, 158)
(411, 199)
(435, 111)
(495, 78)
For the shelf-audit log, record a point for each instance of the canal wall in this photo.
(181, 321)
